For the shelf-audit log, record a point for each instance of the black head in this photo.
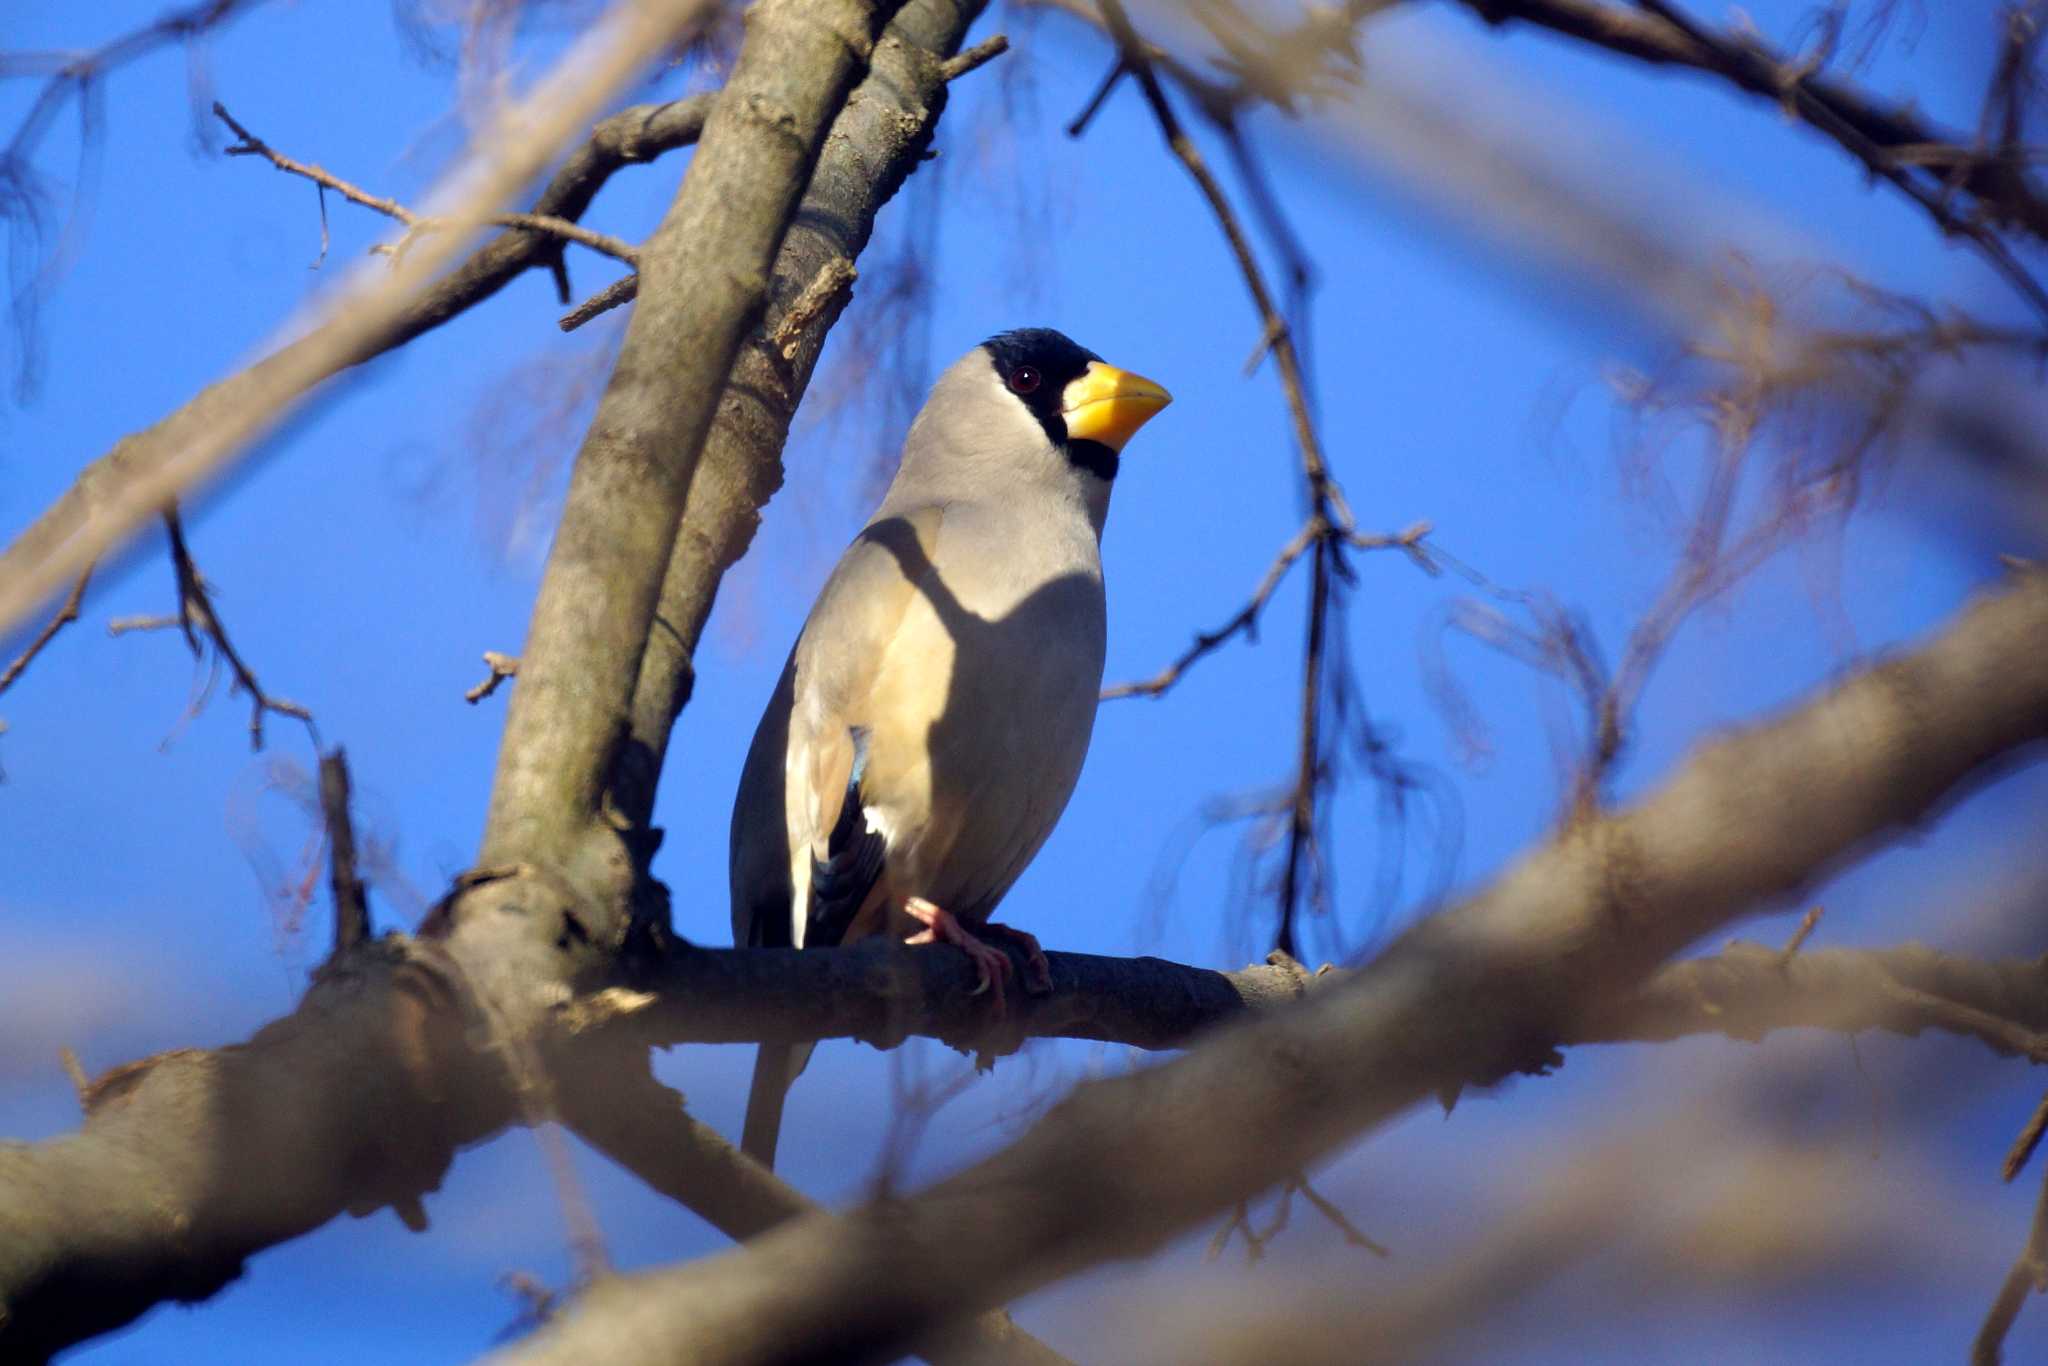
(1036, 364)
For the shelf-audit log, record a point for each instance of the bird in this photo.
(932, 718)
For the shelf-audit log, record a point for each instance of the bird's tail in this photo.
(776, 1066)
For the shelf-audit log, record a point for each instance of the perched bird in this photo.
(932, 718)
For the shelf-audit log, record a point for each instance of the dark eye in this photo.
(1024, 380)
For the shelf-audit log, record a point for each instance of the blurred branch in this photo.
(196, 617)
(151, 468)
(1473, 991)
(351, 904)
(1891, 141)
(389, 1064)
(80, 77)
(63, 617)
(2029, 1276)
(251, 145)
(189, 1161)
(622, 1111)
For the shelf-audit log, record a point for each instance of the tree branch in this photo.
(148, 469)
(704, 277)
(190, 1161)
(876, 142)
(249, 145)
(622, 1111)
(1893, 141)
(1479, 990)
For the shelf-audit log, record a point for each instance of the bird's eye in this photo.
(1024, 380)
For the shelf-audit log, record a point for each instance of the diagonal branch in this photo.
(1893, 142)
(1481, 989)
(196, 617)
(63, 617)
(626, 1114)
(877, 141)
(706, 274)
(249, 145)
(154, 467)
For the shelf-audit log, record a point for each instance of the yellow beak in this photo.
(1107, 404)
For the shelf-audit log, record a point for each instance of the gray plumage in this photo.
(932, 719)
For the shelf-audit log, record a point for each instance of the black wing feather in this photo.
(841, 880)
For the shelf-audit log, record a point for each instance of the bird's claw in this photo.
(991, 966)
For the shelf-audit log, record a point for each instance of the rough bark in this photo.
(190, 1161)
(703, 279)
(877, 142)
(1479, 990)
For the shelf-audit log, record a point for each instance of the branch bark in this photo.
(190, 1161)
(704, 277)
(876, 143)
(1479, 990)
(883, 993)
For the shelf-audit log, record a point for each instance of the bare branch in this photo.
(707, 269)
(1868, 130)
(878, 140)
(150, 469)
(197, 617)
(624, 1113)
(974, 58)
(2029, 1276)
(351, 904)
(1476, 990)
(65, 615)
(502, 667)
(356, 1100)
(251, 145)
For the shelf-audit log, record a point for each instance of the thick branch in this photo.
(704, 276)
(876, 143)
(190, 1161)
(1124, 1164)
(882, 993)
(633, 1119)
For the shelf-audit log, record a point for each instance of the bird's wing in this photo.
(803, 856)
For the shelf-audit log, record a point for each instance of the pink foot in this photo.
(992, 966)
(1037, 971)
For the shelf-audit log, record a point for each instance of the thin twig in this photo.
(1825, 115)
(618, 292)
(2022, 1150)
(502, 667)
(2029, 1276)
(1352, 1233)
(251, 145)
(1245, 622)
(351, 904)
(66, 614)
(834, 278)
(1110, 80)
(974, 58)
(1807, 924)
(196, 617)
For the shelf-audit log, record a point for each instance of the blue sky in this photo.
(379, 544)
